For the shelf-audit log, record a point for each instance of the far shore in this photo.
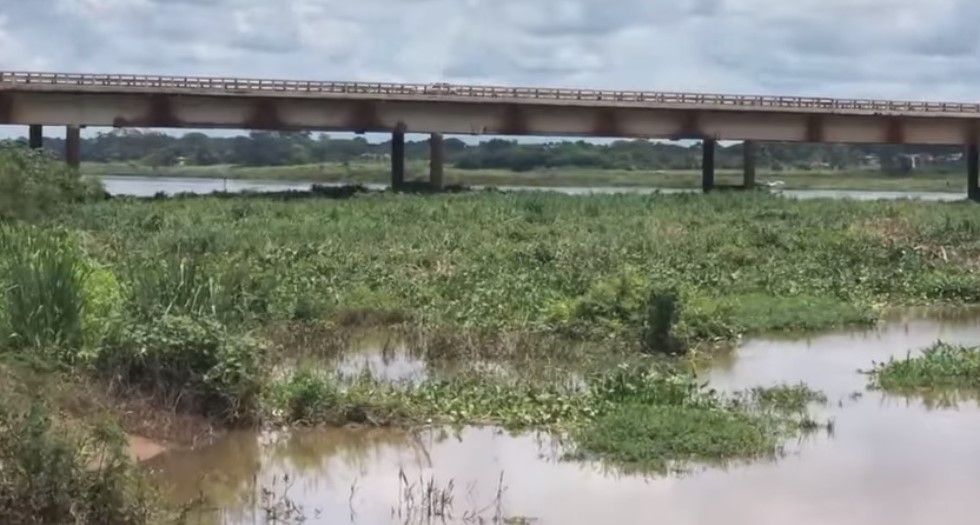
(366, 173)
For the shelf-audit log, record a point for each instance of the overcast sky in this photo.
(906, 49)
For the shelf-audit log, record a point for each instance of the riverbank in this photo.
(581, 316)
(378, 173)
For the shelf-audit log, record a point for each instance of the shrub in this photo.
(663, 312)
(311, 398)
(49, 477)
(33, 185)
(195, 362)
(610, 305)
(104, 301)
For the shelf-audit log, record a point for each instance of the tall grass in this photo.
(43, 275)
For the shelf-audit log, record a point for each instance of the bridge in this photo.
(79, 100)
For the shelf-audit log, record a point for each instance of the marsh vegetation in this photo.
(587, 314)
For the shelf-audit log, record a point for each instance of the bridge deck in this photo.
(221, 86)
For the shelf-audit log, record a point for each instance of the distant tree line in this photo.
(288, 148)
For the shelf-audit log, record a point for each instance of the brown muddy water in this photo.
(890, 460)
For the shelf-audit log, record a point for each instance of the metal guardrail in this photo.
(246, 86)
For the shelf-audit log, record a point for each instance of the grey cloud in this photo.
(837, 47)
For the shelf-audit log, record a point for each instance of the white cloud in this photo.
(867, 48)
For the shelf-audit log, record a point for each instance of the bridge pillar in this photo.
(436, 161)
(36, 136)
(748, 164)
(398, 158)
(973, 173)
(73, 146)
(708, 164)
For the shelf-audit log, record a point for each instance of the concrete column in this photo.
(973, 173)
(36, 136)
(436, 161)
(398, 159)
(748, 164)
(708, 165)
(73, 146)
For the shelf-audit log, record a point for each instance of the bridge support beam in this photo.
(398, 159)
(73, 146)
(708, 164)
(436, 161)
(35, 137)
(973, 172)
(748, 164)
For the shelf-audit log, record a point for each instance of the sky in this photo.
(900, 49)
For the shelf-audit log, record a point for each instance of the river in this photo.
(149, 186)
(889, 460)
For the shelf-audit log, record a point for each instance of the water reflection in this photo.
(891, 460)
(384, 355)
(149, 186)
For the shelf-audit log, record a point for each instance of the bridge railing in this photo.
(245, 86)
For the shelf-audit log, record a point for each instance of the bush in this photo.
(47, 477)
(311, 398)
(193, 362)
(33, 185)
(663, 312)
(610, 305)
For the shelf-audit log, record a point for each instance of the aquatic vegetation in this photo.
(787, 398)
(937, 367)
(657, 438)
(638, 416)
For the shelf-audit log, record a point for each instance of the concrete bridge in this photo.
(78, 100)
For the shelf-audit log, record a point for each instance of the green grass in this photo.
(581, 266)
(378, 172)
(654, 438)
(941, 366)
